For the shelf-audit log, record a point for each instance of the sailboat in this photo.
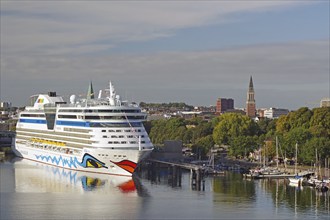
(270, 170)
(266, 171)
(297, 180)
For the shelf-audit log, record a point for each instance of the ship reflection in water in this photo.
(32, 176)
(31, 190)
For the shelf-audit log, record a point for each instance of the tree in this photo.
(308, 154)
(320, 122)
(232, 125)
(205, 143)
(300, 118)
(295, 136)
(172, 129)
(203, 129)
(242, 145)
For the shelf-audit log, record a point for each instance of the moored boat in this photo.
(102, 135)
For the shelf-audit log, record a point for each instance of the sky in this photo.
(168, 51)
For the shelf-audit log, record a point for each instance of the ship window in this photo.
(92, 117)
(113, 136)
(70, 110)
(135, 117)
(67, 116)
(33, 115)
(121, 136)
(116, 142)
(132, 124)
(124, 142)
(129, 136)
(104, 136)
(110, 142)
(118, 130)
(104, 130)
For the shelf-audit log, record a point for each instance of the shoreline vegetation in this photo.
(242, 137)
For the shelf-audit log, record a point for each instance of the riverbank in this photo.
(290, 169)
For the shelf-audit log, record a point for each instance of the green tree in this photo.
(295, 136)
(320, 122)
(232, 125)
(203, 129)
(205, 143)
(300, 118)
(242, 145)
(172, 129)
(308, 154)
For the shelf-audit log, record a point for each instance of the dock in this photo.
(198, 172)
(278, 176)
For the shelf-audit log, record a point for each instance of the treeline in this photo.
(310, 129)
(177, 105)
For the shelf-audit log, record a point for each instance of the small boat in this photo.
(322, 187)
(270, 171)
(313, 181)
(296, 180)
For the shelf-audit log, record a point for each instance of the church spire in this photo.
(90, 92)
(251, 85)
(250, 102)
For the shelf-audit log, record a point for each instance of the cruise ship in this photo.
(101, 135)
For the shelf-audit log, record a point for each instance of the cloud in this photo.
(285, 75)
(79, 27)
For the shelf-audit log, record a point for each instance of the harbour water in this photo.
(30, 190)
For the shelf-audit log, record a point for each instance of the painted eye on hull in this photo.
(89, 161)
(94, 164)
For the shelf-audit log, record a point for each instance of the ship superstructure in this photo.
(102, 135)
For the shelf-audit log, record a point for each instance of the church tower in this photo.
(90, 92)
(250, 103)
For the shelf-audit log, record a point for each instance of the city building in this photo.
(5, 105)
(261, 112)
(275, 112)
(224, 104)
(250, 103)
(325, 102)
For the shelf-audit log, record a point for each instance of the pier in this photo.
(197, 172)
(278, 176)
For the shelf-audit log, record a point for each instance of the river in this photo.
(30, 190)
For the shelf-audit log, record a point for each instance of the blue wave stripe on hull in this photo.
(59, 161)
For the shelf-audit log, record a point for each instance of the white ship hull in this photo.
(103, 135)
(90, 160)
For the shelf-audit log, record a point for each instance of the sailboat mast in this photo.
(295, 164)
(276, 152)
